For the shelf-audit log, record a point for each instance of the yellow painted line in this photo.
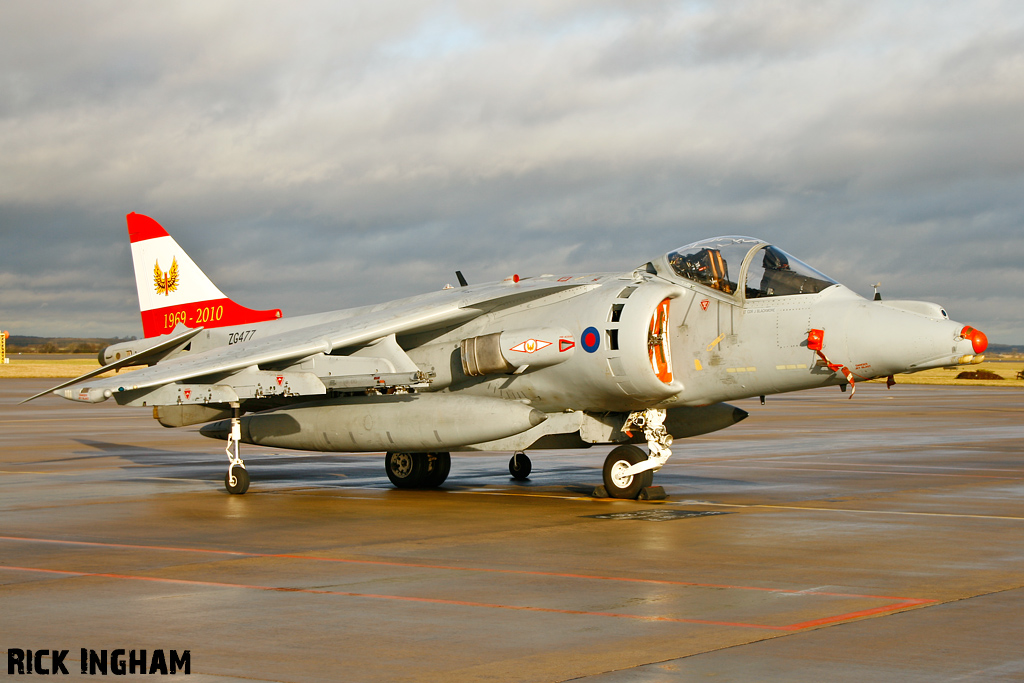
(696, 365)
(715, 343)
(589, 499)
(869, 512)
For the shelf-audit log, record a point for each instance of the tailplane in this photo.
(173, 290)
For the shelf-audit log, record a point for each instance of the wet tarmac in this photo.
(879, 538)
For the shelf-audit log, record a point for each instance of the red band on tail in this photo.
(218, 313)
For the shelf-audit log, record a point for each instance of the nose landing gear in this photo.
(618, 483)
(627, 469)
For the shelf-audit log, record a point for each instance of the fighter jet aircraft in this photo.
(647, 355)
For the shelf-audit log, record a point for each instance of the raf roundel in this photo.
(590, 340)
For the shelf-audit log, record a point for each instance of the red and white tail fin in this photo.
(172, 288)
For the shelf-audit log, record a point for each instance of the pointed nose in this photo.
(884, 338)
(979, 342)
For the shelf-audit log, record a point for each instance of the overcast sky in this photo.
(319, 155)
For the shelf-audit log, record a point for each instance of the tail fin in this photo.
(172, 288)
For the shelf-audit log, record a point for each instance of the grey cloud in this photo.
(351, 153)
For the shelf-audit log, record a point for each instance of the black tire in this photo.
(406, 470)
(241, 481)
(520, 467)
(438, 467)
(620, 458)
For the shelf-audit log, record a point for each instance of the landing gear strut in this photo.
(237, 479)
(417, 470)
(520, 466)
(627, 469)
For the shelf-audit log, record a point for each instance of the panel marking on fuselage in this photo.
(715, 343)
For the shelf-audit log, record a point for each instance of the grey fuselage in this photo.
(608, 345)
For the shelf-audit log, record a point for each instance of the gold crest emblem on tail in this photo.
(166, 282)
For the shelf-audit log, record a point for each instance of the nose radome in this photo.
(979, 342)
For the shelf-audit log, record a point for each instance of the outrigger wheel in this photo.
(417, 470)
(241, 484)
(618, 461)
(520, 466)
(237, 479)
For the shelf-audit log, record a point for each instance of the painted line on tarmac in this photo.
(488, 570)
(887, 473)
(882, 464)
(868, 512)
(468, 603)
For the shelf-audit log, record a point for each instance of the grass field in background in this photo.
(1007, 369)
(62, 367)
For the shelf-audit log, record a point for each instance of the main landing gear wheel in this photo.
(438, 467)
(617, 462)
(520, 466)
(417, 470)
(241, 477)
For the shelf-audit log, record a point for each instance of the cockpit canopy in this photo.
(762, 270)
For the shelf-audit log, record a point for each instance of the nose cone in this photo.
(979, 342)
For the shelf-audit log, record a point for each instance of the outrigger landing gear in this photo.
(520, 466)
(237, 479)
(627, 469)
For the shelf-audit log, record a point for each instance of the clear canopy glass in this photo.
(776, 273)
(714, 263)
(718, 263)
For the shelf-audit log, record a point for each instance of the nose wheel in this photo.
(618, 482)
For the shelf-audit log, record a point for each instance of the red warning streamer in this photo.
(815, 342)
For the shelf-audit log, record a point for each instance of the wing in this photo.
(354, 327)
